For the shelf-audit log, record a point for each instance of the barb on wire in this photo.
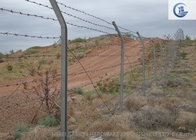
(87, 21)
(72, 16)
(89, 28)
(89, 15)
(27, 14)
(83, 12)
(39, 4)
(28, 56)
(25, 35)
(78, 17)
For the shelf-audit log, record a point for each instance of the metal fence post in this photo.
(63, 69)
(143, 65)
(122, 67)
(155, 63)
(161, 47)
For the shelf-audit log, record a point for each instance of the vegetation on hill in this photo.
(167, 107)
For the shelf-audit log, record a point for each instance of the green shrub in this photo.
(30, 51)
(1, 60)
(79, 40)
(34, 47)
(80, 56)
(1, 55)
(48, 121)
(109, 86)
(32, 70)
(9, 67)
(20, 128)
(188, 37)
(88, 94)
(183, 55)
(12, 51)
(78, 90)
(96, 43)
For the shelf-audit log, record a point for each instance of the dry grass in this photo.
(135, 102)
(185, 123)
(154, 118)
(40, 133)
(171, 103)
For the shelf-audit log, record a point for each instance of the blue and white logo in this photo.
(179, 11)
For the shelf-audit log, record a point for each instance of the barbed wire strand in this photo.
(27, 14)
(81, 12)
(26, 35)
(89, 15)
(71, 74)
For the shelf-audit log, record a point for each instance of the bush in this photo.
(1, 60)
(88, 94)
(9, 67)
(48, 121)
(12, 51)
(78, 90)
(20, 128)
(32, 70)
(188, 37)
(79, 40)
(1, 55)
(134, 103)
(58, 55)
(31, 50)
(183, 55)
(80, 56)
(157, 117)
(109, 86)
(96, 43)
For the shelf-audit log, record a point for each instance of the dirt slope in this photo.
(100, 63)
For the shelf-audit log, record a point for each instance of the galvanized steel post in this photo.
(143, 65)
(63, 69)
(122, 67)
(155, 62)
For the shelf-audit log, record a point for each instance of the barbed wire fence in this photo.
(101, 110)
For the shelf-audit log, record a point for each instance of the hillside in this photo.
(167, 109)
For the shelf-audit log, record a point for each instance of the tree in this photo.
(12, 51)
(188, 37)
(1, 55)
(46, 88)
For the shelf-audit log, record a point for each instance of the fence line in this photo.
(110, 106)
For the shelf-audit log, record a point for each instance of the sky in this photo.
(148, 17)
